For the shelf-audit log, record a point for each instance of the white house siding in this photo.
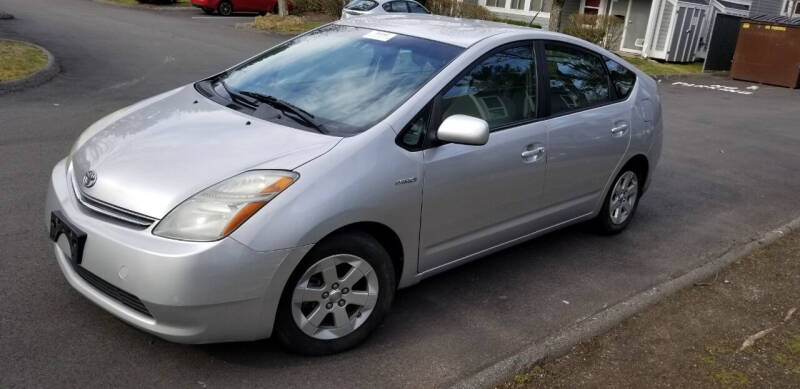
(766, 7)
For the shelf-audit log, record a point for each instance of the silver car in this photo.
(377, 7)
(292, 195)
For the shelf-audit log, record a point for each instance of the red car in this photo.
(227, 7)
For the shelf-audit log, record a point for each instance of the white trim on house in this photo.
(521, 14)
(785, 11)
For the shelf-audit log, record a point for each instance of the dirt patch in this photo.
(18, 60)
(739, 329)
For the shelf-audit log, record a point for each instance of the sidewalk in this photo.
(739, 329)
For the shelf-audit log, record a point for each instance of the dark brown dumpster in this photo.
(768, 51)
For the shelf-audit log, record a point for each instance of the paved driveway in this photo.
(729, 172)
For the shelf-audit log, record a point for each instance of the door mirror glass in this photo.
(464, 129)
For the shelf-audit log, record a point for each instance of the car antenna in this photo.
(541, 6)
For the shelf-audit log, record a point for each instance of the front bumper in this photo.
(194, 292)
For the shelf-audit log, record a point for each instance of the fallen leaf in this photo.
(789, 314)
(753, 338)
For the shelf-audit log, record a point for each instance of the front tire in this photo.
(225, 8)
(338, 294)
(620, 203)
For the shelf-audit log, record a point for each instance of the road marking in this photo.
(723, 88)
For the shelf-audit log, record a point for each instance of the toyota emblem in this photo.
(89, 179)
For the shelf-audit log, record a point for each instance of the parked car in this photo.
(228, 7)
(373, 7)
(291, 195)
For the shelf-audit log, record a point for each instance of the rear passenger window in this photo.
(415, 8)
(395, 6)
(622, 78)
(501, 89)
(577, 79)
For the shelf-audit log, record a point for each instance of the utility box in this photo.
(768, 51)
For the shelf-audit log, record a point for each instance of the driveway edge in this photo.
(37, 78)
(560, 343)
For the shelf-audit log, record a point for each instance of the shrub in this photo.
(327, 7)
(459, 9)
(602, 30)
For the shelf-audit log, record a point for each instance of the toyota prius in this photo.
(291, 195)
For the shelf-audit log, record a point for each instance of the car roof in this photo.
(454, 31)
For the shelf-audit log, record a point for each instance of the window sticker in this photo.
(379, 35)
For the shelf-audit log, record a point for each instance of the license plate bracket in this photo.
(77, 239)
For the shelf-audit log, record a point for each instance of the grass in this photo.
(656, 68)
(18, 60)
(290, 24)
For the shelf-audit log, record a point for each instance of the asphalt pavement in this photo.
(730, 171)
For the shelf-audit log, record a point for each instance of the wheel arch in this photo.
(641, 165)
(382, 233)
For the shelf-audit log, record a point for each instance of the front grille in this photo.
(112, 291)
(109, 210)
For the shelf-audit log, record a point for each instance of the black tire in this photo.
(604, 222)
(360, 244)
(208, 11)
(225, 8)
(276, 10)
(262, 13)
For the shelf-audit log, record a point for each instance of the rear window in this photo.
(361, 5)
(622, 78)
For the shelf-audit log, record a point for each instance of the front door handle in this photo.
(533, 154)
(619, 130)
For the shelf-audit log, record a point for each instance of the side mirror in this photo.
(463, 129)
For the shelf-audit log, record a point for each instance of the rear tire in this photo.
(620, 203)
(225, 8)
(339, 293)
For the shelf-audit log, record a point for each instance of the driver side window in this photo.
(501, 89)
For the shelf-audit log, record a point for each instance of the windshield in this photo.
(361, 5)
(346, 78)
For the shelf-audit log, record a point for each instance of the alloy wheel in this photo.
(335, 296)
(623, 198)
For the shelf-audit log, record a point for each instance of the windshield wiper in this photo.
(285, 106)
(236, 97)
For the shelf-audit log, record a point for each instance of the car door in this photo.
(588, 129)
(477, 197)
(247, 5)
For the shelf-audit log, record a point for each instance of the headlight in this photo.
(217, 211)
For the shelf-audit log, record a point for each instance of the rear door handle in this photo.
(533, 154)
(619, 130)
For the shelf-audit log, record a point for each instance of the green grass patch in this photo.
(291, 24)
(657, 68)
(18, 60)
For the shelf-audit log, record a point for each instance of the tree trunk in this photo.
(555, 16)
(283, 10)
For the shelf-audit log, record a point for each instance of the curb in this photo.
(673, 77)
(39, 77)
(559, 344)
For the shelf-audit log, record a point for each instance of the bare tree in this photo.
(555, 15)
(283, 10)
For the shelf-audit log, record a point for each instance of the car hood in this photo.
(156, 154)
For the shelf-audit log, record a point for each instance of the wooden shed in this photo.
(768, 51)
